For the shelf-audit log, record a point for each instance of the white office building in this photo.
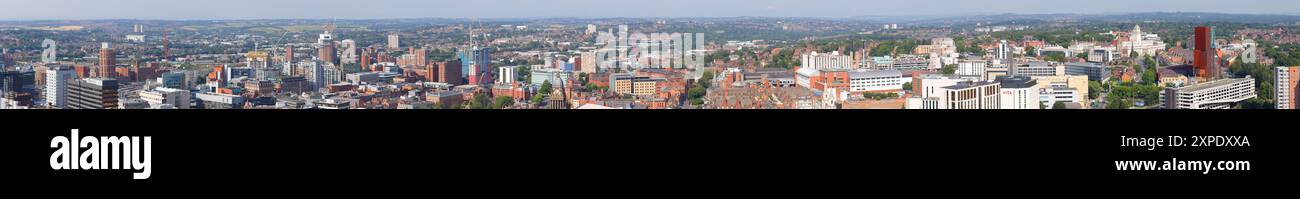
(1284, 87)
(833, 60)
(1002, 51)
(56, 86)
(1038, 69)
(876, 81)
(394, 41)
(1094, 71)
(220, 101)
(1217, 94)
(506, 75)
(1051, 94)
(166, 98)
(973, 68)
(903, 62)
(973, 95)
(1103, 55)
(931, 85)
(1019, 93)
(930, 91)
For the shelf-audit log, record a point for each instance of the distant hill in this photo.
(1150, 16)
(1202, 17)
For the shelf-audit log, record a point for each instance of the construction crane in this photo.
(475, 29)
(278, 41)
(329, 28)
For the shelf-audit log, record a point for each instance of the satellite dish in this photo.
(50, 54)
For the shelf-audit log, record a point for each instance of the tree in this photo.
(428, 106)
(1094, 89)
(1149, 62)
(545, 89)
(971, 47)
(706, 79)
(459, 105)
(1031, 51)
(522, 73)
(977, 50)
(949, 69)
(1282, 54)
(1263, 75)
(893, 47)
(1116, 103)
(1118, 99)
(696, 94)
(538, 99)
(583, 78)
(880, 96)
(1149, 77)
(481, 101)
(907, 86)
(1257, 103)
(1056, 57)
(1059, 105)
(785, 59)
(717, 55)
(503, 102)
(1149, 93)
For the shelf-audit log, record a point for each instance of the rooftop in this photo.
(968, 84)
(1017, 82)
(1215, 83)
(1086, 64)
(168, 90)
(875, 73)
(1184, 70)
(447, 93)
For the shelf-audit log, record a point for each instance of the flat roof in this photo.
(165, 89)
(1017, 82)
(968, 84)
(1215, 83)
(1086, 64)
(875, 73)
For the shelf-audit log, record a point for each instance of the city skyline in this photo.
(586, 54)
(393, 9)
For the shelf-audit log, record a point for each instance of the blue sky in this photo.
(372, 9)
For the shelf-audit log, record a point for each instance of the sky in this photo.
(386, 9)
